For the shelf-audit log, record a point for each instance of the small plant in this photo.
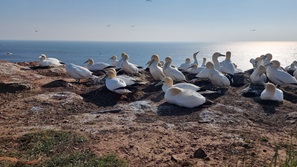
(264, 139)
(291, 155)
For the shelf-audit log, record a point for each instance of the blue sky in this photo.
(155, 20)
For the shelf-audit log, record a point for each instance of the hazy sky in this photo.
(155, 20)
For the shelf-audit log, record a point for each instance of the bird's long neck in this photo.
(215, 59)
(204, 61)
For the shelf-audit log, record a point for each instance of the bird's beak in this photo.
(149, 63)
(269, 64)
(86, 61)
(222, 55)
(159, 83)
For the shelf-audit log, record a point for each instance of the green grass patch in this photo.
(86, 159)
(58, 148)
(50, 142)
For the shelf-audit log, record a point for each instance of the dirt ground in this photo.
(234, 129)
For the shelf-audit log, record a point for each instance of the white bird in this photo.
(216, 77)
(237, 70)
(184, 97)
(195, 58)
(114, 60)
(255, 62)
(174, 73)
(203, 62)
(168, 83)
(96, 66)
(127, 66)
(161, 63)
(120, 62)
(155, 70)
(78, 72)
(115, 84)
(194, 69)
(266, 59)
(203, 73)
(215, 60)
(184, 66)
(258, 77)
(227, 66)
(127, 79)
(272, 93)
(52, 62)
(277, 75)
(292, 67)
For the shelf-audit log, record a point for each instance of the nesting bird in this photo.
(97, 66)
(184, 66)
(227, 66)
(114, 61)
(258, 77)
(195, 58)
(155, 70)
(127, 79)
(115, 84)
(255, 62)
(277, 75)
(161, 63)
(216, 77)
(203, 73)
(203, 62)
(272, 93)
(174, 73)
(78, 72)
(168, 83)
(184, 97)
(194, 69)
(127, 66)
(51, 62)
(292, 67)
(215, 60)
(266, 59)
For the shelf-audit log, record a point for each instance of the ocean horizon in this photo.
(140, 53)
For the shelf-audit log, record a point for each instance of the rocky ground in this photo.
(235, 128)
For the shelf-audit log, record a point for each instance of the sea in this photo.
(140, 53)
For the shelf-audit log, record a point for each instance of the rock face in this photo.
(141, 127)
